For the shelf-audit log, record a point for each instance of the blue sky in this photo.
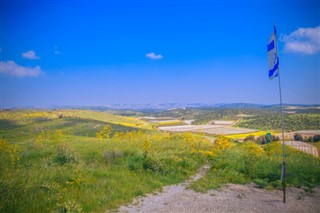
(133, 52)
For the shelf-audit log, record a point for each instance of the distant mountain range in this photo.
(167, 106)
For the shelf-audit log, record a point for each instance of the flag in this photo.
(273, 59)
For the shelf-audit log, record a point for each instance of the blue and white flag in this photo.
(273, 59)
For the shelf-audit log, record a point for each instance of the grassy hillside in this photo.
(54, 163)
(11, 118)
(77, 160)
(249, 162)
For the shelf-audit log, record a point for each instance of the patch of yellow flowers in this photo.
(10, 150)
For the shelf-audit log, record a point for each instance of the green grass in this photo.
(54, 163)
(12, 119)
(82, 172)
(248, 162)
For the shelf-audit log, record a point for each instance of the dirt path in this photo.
(231, 198)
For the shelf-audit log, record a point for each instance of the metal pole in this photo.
(283, 171)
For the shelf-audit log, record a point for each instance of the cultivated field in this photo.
(208, 129)
(304, 147)
(226, 130)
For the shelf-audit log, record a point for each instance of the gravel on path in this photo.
(230, 198)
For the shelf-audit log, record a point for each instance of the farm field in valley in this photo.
(209, 129)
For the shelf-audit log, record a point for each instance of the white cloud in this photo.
(56, 50)
(30, 55)
(11, 68)
(152, 55)
(303, 40)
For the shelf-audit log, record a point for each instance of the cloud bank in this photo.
(303, 40)
(11, 68)
(154, 56)
(30, 55)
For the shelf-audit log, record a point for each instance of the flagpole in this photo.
(283, 171)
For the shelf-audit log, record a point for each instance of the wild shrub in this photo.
(136, 161)
(9, 153)
(64, 155)
(76, 179)
(262, 165)
(152, 165)
(70, 206)
(104, 132)
(222, 143)
(143, 162)
(57, 136)
(262, 139)
(316, 138)
(249, 138)
(297, 137)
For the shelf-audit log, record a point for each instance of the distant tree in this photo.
(298, 137)
(274, 138)
(316, 138)
(308, 139)
(262, 139)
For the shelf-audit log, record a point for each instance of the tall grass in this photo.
(243, 163)
(54, 170)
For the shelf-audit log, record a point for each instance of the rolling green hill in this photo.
(53, 161)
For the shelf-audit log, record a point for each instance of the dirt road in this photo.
(231, 198)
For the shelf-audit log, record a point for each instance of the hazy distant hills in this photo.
(169, 106)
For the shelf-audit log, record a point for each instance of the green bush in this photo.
(64, 155)
(152, 165)
(261, 164)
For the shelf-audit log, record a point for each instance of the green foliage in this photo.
(104, 132)
(248, 162)
(215, 178)
(298, 137)
(262, 139)
(316, 138)
(249, 138)
(70, 206)
(77, 172)
(64, 155)
(268, 118)
(272, 121)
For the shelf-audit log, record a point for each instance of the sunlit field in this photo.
(78, 160)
